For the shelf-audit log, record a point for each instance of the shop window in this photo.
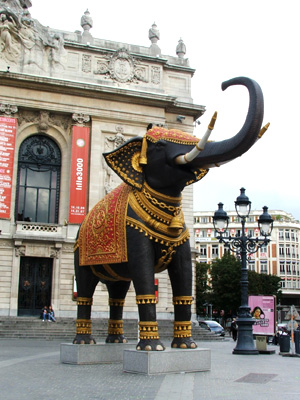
(38, 180)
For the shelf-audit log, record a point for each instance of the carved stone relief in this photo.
(81, 119)
(44, 120)
(111, 180)
(20, 251)
(8, 109)
(86, 63)
(155, 75)
(54, 253)
(121, 67)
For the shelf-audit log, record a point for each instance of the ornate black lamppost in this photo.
(241, 245)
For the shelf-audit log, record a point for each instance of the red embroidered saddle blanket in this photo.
(102, 236)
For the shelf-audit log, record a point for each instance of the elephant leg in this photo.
(180, 272)
(141, 267)
(86, 284)
(117, 292)
(148, 326)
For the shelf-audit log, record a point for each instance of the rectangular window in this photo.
(251, 265)
(215, 251)
(250, 232)
(203, 251)
(263, 267)
(281, 250)
(263, 252)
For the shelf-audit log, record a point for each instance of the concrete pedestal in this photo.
(93, 353)
(166, 362)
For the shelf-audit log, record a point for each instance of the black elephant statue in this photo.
(138, 229)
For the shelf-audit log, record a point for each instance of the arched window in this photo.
(38, 181)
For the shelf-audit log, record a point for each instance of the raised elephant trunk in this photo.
(217, 153)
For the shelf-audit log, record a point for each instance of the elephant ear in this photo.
(125, 161)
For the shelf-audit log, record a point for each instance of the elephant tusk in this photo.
(188, 157)
(263, 130)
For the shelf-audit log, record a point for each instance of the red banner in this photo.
(8, 128)
(79, 174)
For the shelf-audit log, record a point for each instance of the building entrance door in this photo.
(34, 285)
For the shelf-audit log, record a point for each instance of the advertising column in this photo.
(8, 128)
(79, 174)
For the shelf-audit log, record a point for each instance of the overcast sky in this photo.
(224, 39)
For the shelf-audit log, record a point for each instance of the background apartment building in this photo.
(280, 257)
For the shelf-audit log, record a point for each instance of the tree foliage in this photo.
(202, 287)
(225, 283)
(224, 289)
(264, 284)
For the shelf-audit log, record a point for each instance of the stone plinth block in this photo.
(166, 362)
(93, 353)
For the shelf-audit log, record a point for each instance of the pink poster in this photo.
(262, 309)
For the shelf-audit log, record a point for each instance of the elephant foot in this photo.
(184, 343)
(84, 339)
(150, 345)
(116, 339)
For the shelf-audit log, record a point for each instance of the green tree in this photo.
(225, 284)
(224, 291)
(268, 285)
(202, 287)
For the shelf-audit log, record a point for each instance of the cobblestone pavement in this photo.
(31, 369)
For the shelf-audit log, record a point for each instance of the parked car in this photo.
(213, 326)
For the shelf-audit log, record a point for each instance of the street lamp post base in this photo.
(245, 343)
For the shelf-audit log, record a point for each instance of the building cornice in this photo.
(105, 92)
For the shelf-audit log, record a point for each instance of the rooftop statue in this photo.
(24, 41)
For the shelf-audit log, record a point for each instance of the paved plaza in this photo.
(31, 369)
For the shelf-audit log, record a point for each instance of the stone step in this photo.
(64, 329)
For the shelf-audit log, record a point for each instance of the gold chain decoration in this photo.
(150, 193)
(146, 299)
(182, 329)
(148, 330)
(84, 301)
(182, 300)
(115, 327)
(157, 237)
(148, 209)
(83, 327)
(154, 203)
(116, 302)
